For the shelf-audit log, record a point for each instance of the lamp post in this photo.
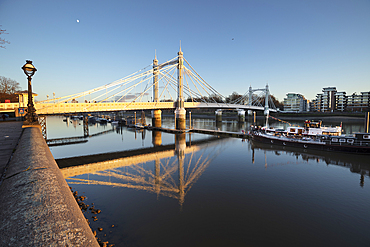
(29, 70)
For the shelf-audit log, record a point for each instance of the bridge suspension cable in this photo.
(137, 86)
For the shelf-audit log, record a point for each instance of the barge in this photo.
(356, 143)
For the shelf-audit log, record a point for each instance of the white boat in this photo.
(310, 128)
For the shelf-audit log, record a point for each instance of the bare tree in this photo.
(3, 41)
(8, 86)
(233, 97)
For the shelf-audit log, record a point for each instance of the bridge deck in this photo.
(59, 108)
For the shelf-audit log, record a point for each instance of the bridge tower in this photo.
(267, 94)
(156, 114)
(180, 110)
(250, 95)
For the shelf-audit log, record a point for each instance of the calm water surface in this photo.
(219, 192)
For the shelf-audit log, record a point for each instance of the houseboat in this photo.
(310, 128)
(356, 143)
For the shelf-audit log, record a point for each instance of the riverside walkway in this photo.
(10, 133)
(37, 206)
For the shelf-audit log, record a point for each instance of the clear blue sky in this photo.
(294, 46)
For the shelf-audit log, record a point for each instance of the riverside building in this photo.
(331, 100)
(295, 102)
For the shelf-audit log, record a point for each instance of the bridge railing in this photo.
(50, 108)
(60, 108)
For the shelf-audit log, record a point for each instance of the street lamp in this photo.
(29, 70)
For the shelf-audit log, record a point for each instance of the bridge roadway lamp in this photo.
(29, 70)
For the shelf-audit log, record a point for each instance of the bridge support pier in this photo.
(241, 116)
(157, 118)
(180, 118)
(218, 115)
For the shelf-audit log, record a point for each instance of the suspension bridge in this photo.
(186, 90)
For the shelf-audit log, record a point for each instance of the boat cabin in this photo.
(312, 124)
(295, 131)
(315, 128)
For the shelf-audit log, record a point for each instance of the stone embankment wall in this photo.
(37, 207)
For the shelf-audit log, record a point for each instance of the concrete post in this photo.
(241, 116)
(218, 115)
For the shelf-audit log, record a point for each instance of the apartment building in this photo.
(340, 101)
(331, 100)
(295, 102)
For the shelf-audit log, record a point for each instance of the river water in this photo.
(198, 190)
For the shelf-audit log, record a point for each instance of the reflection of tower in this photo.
(156, 138)
(157, 176)
(180, 146)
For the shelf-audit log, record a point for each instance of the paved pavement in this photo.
(10, 132)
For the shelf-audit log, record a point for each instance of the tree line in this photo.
(235, 97)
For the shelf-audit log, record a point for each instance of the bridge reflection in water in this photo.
(168, 170)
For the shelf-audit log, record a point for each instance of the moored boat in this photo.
(310, 128)
(356, 143)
